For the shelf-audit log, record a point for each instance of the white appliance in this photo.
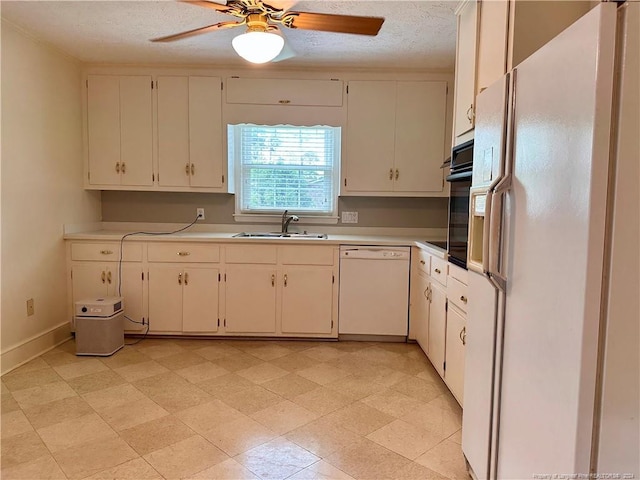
(99, 326)
(551, 369)
(374, 291)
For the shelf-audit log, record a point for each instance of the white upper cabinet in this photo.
(493, 37)
(463, 120)
(278, 91)
(395, 138)
(119, 131)
(190, 152)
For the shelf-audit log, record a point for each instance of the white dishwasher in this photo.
(374, 290)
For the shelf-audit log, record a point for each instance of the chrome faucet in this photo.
(287, 219)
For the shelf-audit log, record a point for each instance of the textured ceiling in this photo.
(415, 35)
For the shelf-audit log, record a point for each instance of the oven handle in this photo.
(459, 176)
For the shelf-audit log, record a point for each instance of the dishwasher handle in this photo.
(375, 253)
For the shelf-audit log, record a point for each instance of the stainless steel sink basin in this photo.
(280, 235)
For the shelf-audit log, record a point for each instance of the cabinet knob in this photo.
(180, 279)
(104, 276)
(285, 279)
(184, 254)
(463, 335)
(118, 167)
(123, 168)
(193, 169)
(109, 278)
(423, 262)
(106, 252)
(273, 280)
(187, 169)
(397, 174)
(391, 174)
(463, 299)
(284, 102)
(438, 271)
(186, 278)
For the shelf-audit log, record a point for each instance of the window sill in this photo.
(277, 219)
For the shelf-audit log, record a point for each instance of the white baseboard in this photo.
(20, 354)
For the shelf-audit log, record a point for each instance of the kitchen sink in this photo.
(280, 235)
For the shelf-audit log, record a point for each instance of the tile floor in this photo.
(231, 409)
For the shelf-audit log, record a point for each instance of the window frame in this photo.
(273, 217)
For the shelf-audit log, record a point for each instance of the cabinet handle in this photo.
(426, 293)
(397, 173)
(438, 271)
(285, 279)
(391, 174)
(186, 278)
(104, 275)
(106, 252)
(184, 254)
(109, 278)
(186, 169)
(123, 168)
(193, 169)
(273, 280)
(463, 335)
(284, 102)
(180, 279)
(470, 113)
(422, 262)
(463, 299)
(118, 167)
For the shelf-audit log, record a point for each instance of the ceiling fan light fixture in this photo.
(258, 47)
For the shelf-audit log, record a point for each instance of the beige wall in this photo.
(161, 207)
(41, 190)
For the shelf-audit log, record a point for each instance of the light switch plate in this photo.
(349, 217)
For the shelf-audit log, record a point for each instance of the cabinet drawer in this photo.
(306, 255)
(459, 274)
(131, 252)
(265, 254)
(457, 293)
(277, 91)
(183, 253)
(439, 270)
(423, 261)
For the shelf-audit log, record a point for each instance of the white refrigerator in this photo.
(552, 366)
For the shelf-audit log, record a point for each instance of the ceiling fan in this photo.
(261, 43)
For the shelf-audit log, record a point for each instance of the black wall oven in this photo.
(460, 183)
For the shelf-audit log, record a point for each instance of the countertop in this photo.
(228, 237)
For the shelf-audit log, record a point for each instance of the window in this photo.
(285, 167)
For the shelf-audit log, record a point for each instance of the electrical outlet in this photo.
(30, 307)
(349, 217)
(200, 213)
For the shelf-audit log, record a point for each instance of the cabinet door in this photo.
(131, 289)
(420, 311)
(371, 125)
(250, 299)
(103, 129)
(205, 131)
(421, 111)
(465, 69)
(454, 373)
(136, 137)
(165, 298)
(89, 280)
(307, 300)
(493, 25)
(173, 131)
(200, 300)
(437, 326)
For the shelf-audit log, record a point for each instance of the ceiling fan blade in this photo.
(219, 6)
(286, 53)
(197, 31)
(325, 22)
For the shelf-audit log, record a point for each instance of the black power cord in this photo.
(120, 270)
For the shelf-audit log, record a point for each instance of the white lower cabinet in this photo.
(420, 310)
(307, 300)
(183, 299)
(250, 299)
(454, 358)
(437, 326)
